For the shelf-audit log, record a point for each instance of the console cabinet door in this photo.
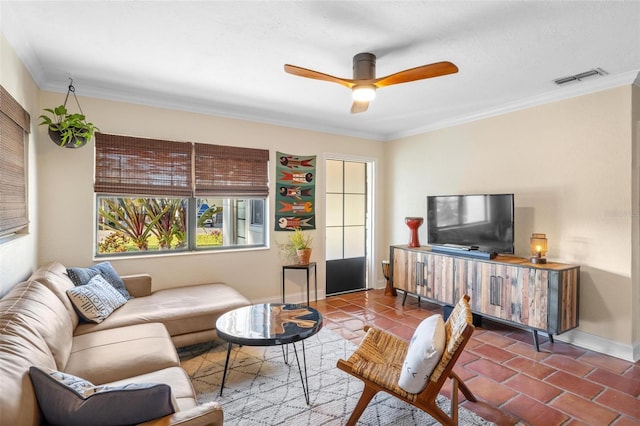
(461, 282)
(404, 270)
(439, 282)
(529, 297)
(487, 284)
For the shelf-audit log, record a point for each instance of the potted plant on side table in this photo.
(298, 247)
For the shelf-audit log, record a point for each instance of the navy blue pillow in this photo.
(81, 276)
(68, 400)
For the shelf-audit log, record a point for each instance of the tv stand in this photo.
(507, 289)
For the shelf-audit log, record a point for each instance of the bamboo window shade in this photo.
(128, 165)
(228, 170)
(14, 123)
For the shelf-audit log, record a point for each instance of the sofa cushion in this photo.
(96, 300)
(423, 354)
(106, 356)
(176, 377)
(82, 276)
(65, 399)
(34, 305)
(183, 310)
(21, 346)
(54, 277)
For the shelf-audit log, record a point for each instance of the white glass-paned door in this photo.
(346, 225)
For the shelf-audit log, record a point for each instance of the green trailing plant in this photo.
(73, 129)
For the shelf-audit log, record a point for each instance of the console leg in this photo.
(535, 340)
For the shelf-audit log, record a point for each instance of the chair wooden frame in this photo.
(379, 358)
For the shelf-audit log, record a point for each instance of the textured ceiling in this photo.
(226, 58)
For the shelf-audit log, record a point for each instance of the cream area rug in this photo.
(261, 389)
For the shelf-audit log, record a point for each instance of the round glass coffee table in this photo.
(270, 324)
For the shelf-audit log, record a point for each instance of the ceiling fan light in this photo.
(364, 93)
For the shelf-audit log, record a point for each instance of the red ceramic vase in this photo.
(414, 223)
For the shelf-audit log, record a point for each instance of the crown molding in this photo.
(571, 91)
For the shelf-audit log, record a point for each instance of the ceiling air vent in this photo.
(581, 76)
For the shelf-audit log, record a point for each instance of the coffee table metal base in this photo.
(285, 356)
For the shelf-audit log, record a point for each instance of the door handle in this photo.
(418, 273)
(495, 290)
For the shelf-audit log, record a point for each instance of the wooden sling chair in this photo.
(379, 359)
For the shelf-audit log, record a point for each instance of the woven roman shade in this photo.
(14, 123)
(231, 171)
(128, 165)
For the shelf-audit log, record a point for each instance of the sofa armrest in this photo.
(207, 414)
(138, 285)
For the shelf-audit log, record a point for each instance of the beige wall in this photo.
(66, 189)
(569, 165)
(18, 255)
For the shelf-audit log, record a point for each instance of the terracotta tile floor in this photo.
(560, 385)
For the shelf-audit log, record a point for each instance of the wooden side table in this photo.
(307, 267)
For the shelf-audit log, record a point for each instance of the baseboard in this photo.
(600, 344)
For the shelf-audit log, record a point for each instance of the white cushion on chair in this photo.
(425, 350)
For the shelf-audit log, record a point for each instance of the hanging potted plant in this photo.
(66, 129)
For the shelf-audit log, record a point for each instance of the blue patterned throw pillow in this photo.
(96, 300)
(68, 400)
(81, 276)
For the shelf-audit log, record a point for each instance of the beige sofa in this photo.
(135, 344)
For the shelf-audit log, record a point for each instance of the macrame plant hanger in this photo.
(72, 89)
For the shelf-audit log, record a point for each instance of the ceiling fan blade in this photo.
(303, 72)
(418, 73)
(359, 106)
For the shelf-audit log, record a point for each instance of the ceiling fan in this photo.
(364, 82)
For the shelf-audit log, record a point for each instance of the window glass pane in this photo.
(209, 222)
(354, 209)
(334, 176)
(128, 225)
(355, 178)
(229, 222)
(333, 247)
(354, 238)
(334, 209)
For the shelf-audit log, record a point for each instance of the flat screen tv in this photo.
(484, 222)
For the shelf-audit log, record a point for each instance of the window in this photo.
(158, 196)
(14, 124)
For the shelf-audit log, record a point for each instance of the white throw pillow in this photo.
(424, 353)
(96, 300)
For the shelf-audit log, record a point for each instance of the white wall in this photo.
(18, 254)
(66, 189)
(569, 165)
